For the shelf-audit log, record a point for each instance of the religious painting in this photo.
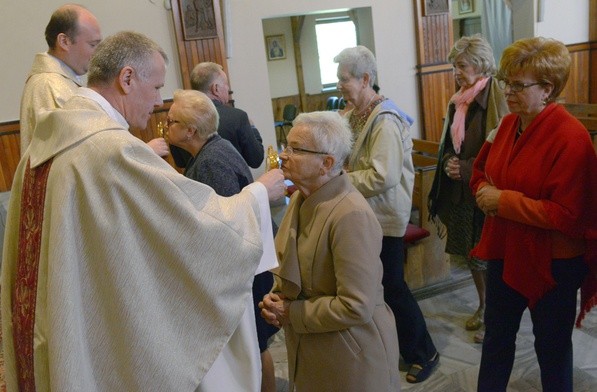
(276, 47)
(198, 19)
(432, 7)
(465, 6)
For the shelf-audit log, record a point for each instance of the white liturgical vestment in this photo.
(118, 273)
(49, 85)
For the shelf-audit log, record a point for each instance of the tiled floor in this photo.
(446, 314)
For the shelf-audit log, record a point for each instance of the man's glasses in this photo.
(515, 87)
(289, 150)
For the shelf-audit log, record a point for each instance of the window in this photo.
(333, 35)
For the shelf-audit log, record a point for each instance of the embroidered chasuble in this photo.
(118, 273)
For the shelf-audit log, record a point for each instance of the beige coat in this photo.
(381, 167)
(341, 335)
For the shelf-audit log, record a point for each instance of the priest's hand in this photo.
(274, 183)
(159, 146)
(275, 309)
(488, 198)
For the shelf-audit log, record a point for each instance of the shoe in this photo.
(419, 373)
(475, 322)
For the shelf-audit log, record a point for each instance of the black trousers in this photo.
(553, 321)
(414, 341)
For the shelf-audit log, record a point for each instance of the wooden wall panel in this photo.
(315, 102)
(577, 88)
(191, 52)
(279, 103)
(436, 89)
(437, 33)
(434, 35)
(10, 147)
(593, 70)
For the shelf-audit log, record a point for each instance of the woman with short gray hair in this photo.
(328, 297)
(330, 132)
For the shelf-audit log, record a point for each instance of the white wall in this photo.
(393, 27)
(282, 72)
(22, 25)
(567, 21)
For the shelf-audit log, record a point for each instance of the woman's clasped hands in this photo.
(275, 309)
(488, 198)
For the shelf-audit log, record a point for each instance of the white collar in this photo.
(103, 102)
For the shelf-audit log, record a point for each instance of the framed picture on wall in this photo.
(198, 19)
(465, 6)
(432, 7)
(276, 47)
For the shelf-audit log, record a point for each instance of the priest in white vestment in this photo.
(72, 34)
(118, 272)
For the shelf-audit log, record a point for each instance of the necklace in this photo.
(367, 104)
(357, 120)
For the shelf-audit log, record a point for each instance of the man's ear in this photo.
(214, 89)
(126, 79)
(63, 42)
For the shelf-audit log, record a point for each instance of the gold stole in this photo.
(25, 286)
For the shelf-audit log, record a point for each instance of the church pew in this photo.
(426, 261)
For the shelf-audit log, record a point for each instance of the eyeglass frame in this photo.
(169, 122)
(289, 150)
(503, 84)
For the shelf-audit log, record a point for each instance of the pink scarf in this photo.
(462, 99)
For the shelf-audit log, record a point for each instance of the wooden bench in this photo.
(426, 262)
(586, 113)
(425, 160)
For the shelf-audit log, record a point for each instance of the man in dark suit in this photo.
(235, 126)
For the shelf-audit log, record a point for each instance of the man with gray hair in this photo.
(235, 126)
(119, 273)
(72, 35)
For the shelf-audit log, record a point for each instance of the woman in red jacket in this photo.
(535, 181)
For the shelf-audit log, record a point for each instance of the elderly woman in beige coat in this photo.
(340, 334)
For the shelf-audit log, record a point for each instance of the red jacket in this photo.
(548, 205)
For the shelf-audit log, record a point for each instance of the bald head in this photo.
(72, 35)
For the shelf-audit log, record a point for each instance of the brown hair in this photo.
(546, 58)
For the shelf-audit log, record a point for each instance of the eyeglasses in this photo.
(515, 87)
(291, 150)
(169, 122)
